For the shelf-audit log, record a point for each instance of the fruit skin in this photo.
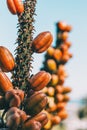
(62, 114)
(51, 64)
(39, 80)
(7, 63)
(5, 83)
(42, 42)
(35, 103)
(30, 123)
(62, 25)
(15, 117)
(15, 6)
(14, 97)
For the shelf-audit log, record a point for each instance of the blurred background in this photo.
(48, 14)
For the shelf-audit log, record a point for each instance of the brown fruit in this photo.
(66, 98)
(15, 117)
(15, 6)
(59, 89)
(64, 36)
(68, 28)
(31, 125)
(39, 80)
(66, 90)
(35, 103)
(59, 97)
(51, 64)
(7, 63)
(54, 79)
(62, 114)
(68, 43)
(62, 25)
(5, 83)
(14, 97)
(50, 51)
(56, 120)
(42, 42)
(57, 54)
(50, 91)
(42, 118)
(48, 125)
(61, 105)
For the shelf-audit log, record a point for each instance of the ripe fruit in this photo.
(6, 60)
(15, 6)
(15, 117)
(14, 97)
(5, 83)
(42, 42)
(35, 103)
(54, 79)
(40, 80)
(51, 64)
(62, 114)
(57, 54)
(50, 51)
(62, 25)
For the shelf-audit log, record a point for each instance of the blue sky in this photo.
(48, 13)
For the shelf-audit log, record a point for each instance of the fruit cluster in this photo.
(55, 59)
(22, 109)
(21, 99)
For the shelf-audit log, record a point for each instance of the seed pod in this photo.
(56, 120)
(59, 89)
(15, 117)
(59, 97)
(36, 103)
(66, 98)
(61, 105)
(42, 118)
(57, 54)
(42, 42)
(51, 91)
(31, 125)
(5, 83)
(62, 25)
(6, 60)
(14, 97)
(48, 125)
(66, 90)
(15, 6)
(64, 36)
(62, 114)
(50, 51)
(54, 79)
(68, 28)
(51, 64)
(40, 80)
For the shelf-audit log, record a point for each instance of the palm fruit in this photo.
(5, 83)
(15, 6)
(42, 42)
(7, 62)
(14, 97)
(14, 117)
(22, 96)
(55, 59)
(39, 80)
(35, 103)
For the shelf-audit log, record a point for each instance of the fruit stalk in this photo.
(23, 51)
